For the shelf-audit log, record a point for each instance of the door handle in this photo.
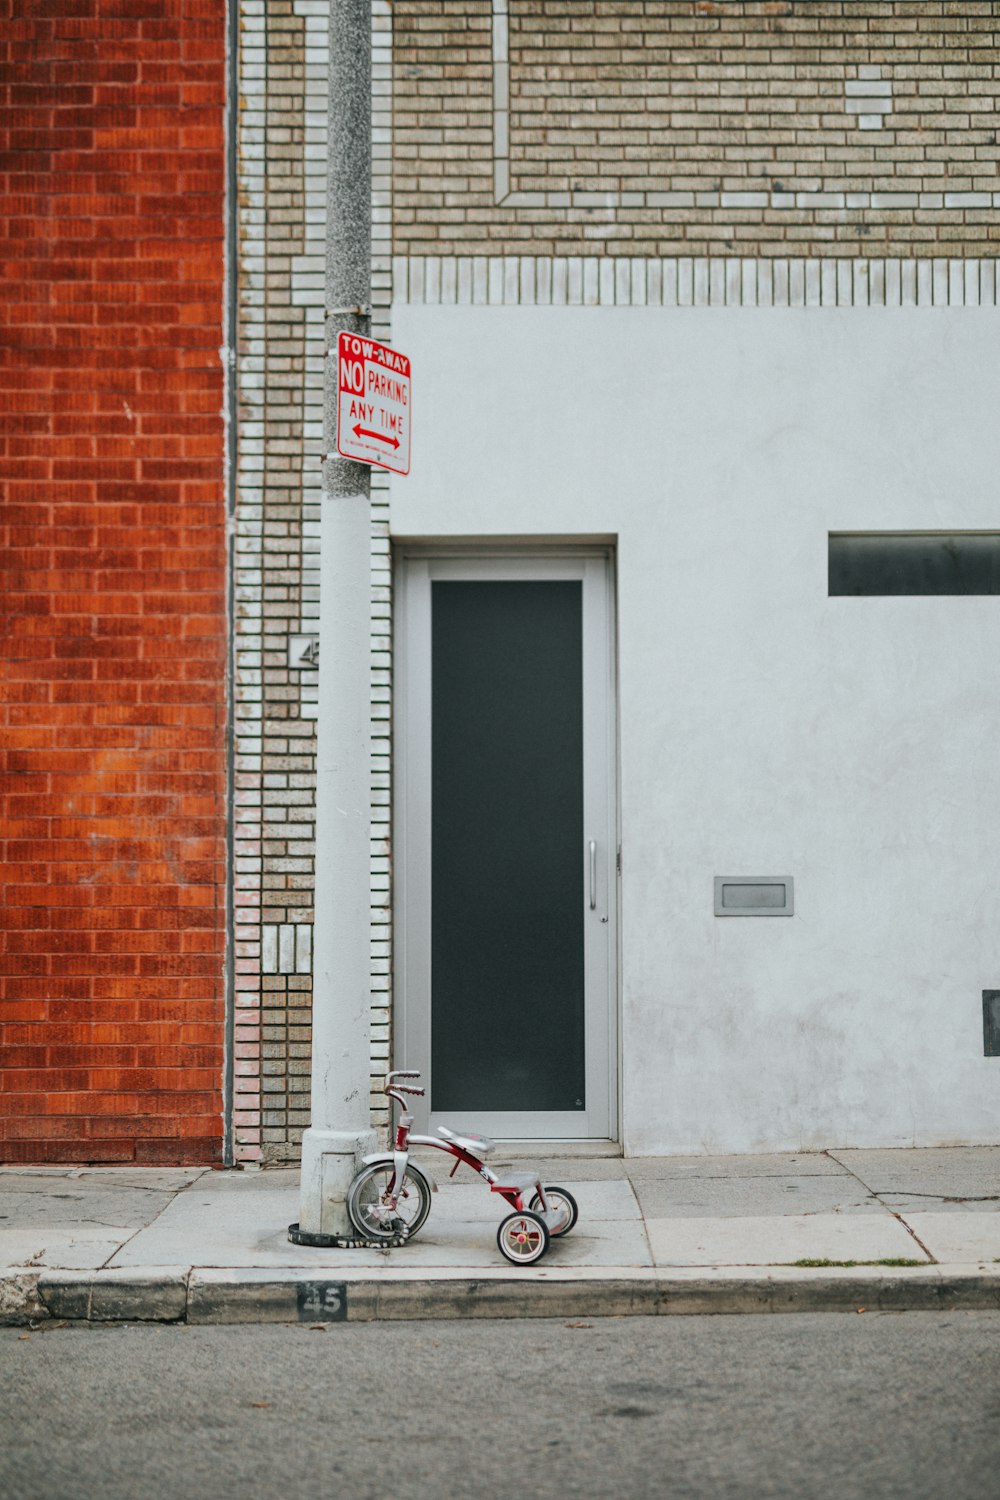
(592, 850)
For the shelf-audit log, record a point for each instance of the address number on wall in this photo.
(303, 652)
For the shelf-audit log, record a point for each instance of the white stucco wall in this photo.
(765, 728)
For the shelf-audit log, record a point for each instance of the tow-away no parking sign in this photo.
(373, 403)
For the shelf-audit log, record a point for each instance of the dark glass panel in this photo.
(940, 563)
(507, 1028)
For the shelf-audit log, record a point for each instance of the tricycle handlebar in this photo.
(390, 1086)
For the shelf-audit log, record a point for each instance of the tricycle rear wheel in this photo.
(561, 1200)
(372, 1218)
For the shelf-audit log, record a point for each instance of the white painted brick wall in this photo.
(621, 281)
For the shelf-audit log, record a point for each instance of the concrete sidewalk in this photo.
(804, 1231)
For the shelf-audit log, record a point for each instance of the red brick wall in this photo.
(112, 177)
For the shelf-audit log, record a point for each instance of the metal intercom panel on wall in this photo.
(754, 895)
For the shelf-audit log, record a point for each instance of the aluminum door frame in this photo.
(417, 568)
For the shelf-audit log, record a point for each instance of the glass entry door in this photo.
(506, 835)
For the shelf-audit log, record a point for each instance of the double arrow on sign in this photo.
(380, 437)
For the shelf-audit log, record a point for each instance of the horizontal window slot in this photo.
(921, 563)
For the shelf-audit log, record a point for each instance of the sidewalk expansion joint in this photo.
(913, 1235)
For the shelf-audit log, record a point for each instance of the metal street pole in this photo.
(340, 1131)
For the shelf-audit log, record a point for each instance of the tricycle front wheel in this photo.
(523, 1238)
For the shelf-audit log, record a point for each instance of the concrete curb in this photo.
(204, 1296)
(19, 1299)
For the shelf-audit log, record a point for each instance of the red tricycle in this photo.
(390, 1197)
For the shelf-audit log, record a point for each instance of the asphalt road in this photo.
(803, 1406)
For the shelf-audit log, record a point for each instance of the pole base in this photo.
(330, 1158)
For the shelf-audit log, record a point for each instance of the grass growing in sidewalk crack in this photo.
(893, 1260)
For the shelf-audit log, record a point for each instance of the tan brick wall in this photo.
(282, 163)
(637, 127)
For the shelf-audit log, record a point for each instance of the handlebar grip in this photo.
(401, 1088)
